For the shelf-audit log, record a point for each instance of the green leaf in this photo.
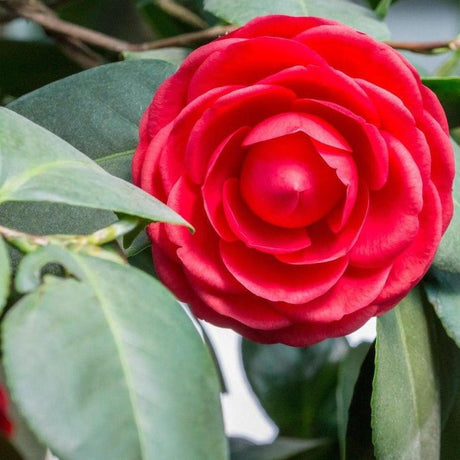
(174, 55)
(5, 274)
(296, 386)
(7, 450)
(348, 374)
(448, 91)
(280, 449)
(359, 434)
(27, 66)
(406, 404)
(129, 376)
(443, 291)
(240, 11)
(97, 111)
(22, 438)
(448, 256)
(381, 7)
(38, 166)
(447, 355)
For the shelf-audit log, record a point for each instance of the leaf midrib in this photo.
(118, 344)
(17, 181)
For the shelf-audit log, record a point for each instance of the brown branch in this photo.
(35, 11)
(427, 47)
(184, 39)
(70, 44)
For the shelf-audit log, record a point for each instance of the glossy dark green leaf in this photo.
(450, 443)
(241, 11)
(447, 356)
(296, 386)
(406, 405)
(117, 18)
(174, 55)
(448, 255)
(5, 274)
(348, 374)
(39, 166)
(280, 449)
(27, 66)
(97, 111)
(358, 431)
(443, 290)
(448, 91)
(129, 378)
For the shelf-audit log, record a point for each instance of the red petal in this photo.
(244, 107)
(173, 154)
(171, 96)
(225, 162)
(397, 120)
(442, 164)
(306, 334)
(392, 222)
(268, 278)
(286, 182)
(414, 262)
(198, 252)
(256, 233)
(369, 148)
(347, 172)
(282, 124)
(325, 83)
(360, 56)
(247, 61)
(278, 26)
(434, 107)
(355, 290)
(326, 245)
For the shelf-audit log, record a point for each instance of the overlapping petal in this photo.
(317, 172)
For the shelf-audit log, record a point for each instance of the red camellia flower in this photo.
(6, 427)
(316, 169)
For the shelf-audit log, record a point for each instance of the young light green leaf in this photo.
(296, 386)
(382, 7)
(5, 274)
(36, 165)
(348, 374)
(129, 376)
(406, 406)
(448, 256)
(240, 11)
(443, 291)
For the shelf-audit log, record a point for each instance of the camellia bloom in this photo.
(316, 169)
(6, 427)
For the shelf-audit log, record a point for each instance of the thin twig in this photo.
(427, 47)
(184, 39)
(39, 13)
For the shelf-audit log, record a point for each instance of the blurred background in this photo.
(29, 59)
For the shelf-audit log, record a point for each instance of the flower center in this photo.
(286, 182)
